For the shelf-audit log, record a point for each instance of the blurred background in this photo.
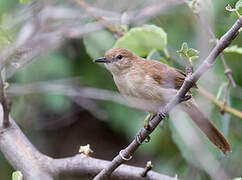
(62, 100)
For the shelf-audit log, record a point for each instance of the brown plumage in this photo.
(149, 85)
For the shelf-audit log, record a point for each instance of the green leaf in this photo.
(17, 175)
(238, 4)
(194, 58)
(163, 60)
(192, 52)
(24, 1)
(184, 47)
(142, 40)
(98, 43)
(189, 54)
(238, 178)
(183, 50)
(1, 17)
(233, 49)
(154, 54)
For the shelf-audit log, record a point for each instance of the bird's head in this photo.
(118, 60)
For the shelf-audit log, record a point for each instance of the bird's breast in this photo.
(130, 84)
(141, 91)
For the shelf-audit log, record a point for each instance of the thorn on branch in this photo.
(147, 169)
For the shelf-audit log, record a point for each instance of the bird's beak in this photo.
(102, 60)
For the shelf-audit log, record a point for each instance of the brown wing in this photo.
(166, 76)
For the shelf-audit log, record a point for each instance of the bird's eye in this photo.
(119, 56)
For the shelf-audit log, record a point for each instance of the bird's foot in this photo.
(147, 139)
(186, 97)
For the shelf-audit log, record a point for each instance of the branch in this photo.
(83, 165)
(188, 83)
(110, 26)
(228, 71)
(5, 102)
(67, 89)
(220, 104)
(23, 156)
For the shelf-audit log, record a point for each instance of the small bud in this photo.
(6, 85)
(147, 168)
(85, 150)
(228, 7)
(17, 175)
(149, 164)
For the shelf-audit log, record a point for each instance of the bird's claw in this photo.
(186, 97)
(147, 139)
(147, 127)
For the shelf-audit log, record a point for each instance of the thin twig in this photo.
(5, 102)
(225, 97)
(195, 9)
(148, 167)
(59, 87)
(188, 83)
(228, 71)
(110, 26)
(219, 103)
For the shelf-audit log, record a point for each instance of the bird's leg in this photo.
(147, 119)
(186, 97)
(153, 116)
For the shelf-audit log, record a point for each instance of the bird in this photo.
(150, 84)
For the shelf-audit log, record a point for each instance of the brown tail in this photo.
(208, 128)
